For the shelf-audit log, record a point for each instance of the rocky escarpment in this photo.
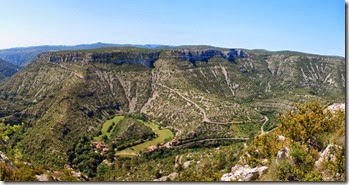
(244, 173)
(146, 59)
(194, 55)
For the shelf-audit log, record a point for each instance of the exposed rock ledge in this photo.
(336, 107)
(171, 177)
(145, 58)
(194, 55)
(244, 173)
(115, 57)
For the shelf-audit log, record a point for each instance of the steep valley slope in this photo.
(199, 92)
(7, 69)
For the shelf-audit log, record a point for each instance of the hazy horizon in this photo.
(166, 45)
(315, 27)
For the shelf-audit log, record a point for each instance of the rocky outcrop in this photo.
(169, 177)
(194, 55)
(235, 53)
(244, 173)
(280, 138)
(336, 107)
(327, 155)
(323, 164)
(42, 177)
(283, 154)
(186, 164)
(4, 158)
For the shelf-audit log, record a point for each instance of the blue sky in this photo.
(315, 26)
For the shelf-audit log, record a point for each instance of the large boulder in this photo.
(244, 173)
(328, 155)
(336, 107)
(42, 177)
(4, 158)
(283, 154)
(169, 177)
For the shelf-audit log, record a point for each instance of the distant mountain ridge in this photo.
(21, 56)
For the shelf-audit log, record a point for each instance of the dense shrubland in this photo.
(307, 131)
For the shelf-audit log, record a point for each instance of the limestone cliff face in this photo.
(71, 57)
(199, 54)
(115, 57)
(144, 58)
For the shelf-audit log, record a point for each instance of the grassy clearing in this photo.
(163, 135)
(245, 129)
(106, 125)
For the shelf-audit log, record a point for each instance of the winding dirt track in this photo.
(210, 139)
(205, 118)
(262, 127)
